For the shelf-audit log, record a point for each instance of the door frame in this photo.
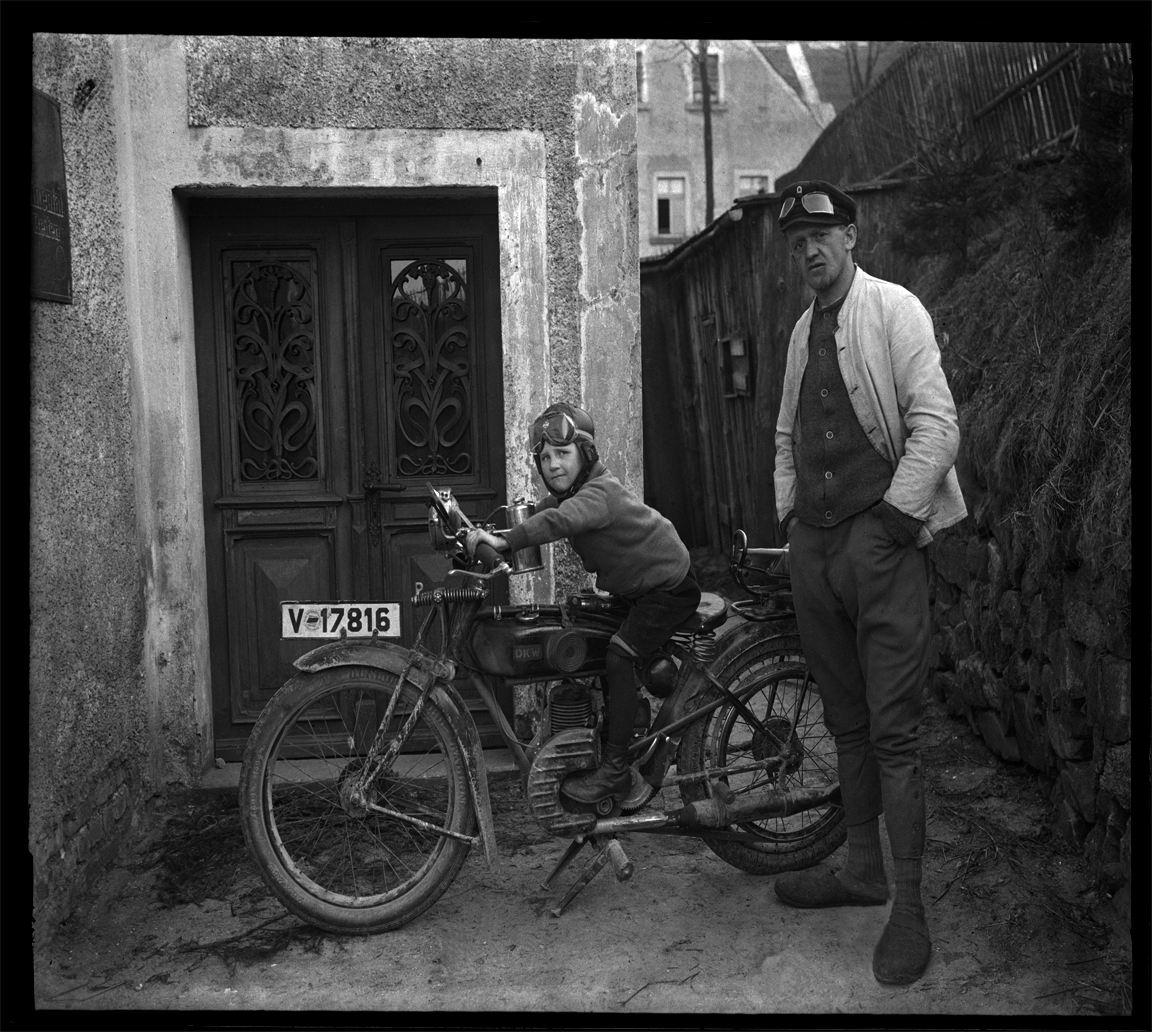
(161, 161)
(348, 240)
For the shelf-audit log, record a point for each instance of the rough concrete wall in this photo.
(605, 377)
(580, 94)
(91, 756)
(413, 83)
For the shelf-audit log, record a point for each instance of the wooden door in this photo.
(347, 356)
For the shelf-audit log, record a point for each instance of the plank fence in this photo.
(716, 312)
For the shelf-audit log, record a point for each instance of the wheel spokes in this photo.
(354, 856)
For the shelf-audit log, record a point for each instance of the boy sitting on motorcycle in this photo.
(634, 552)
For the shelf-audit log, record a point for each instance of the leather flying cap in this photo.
(816, 201)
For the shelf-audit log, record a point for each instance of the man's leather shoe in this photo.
(903, 951)
(821, 888)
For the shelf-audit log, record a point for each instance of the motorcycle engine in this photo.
(569, 746)
(561, 755)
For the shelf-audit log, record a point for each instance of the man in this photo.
(865, 446)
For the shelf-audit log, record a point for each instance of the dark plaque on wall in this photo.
(51, 249)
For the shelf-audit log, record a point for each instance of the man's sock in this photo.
(908, 876)
(865, 860)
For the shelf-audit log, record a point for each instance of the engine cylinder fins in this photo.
(569, 706)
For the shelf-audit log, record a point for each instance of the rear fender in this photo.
(394, 658)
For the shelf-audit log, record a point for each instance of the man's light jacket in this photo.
(890, 362)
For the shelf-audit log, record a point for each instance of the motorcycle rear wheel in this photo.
(352, 872)
(770, 688)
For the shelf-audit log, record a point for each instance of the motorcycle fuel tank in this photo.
(527, 643)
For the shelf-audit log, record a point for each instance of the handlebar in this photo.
(766, 553)
(488, 555)
(762, 572)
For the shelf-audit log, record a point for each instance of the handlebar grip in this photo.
(488, 555)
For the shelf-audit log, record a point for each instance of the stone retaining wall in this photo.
(1040, 663)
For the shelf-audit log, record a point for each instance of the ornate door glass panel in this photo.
(430, 336)
(273, 335)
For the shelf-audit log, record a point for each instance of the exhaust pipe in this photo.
(720, 812)
(723, 809)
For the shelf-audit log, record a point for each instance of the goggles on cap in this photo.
(813, 203)
(555, 428)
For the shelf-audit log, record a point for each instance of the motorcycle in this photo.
(363, 786)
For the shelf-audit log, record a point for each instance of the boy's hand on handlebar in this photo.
(476, 537)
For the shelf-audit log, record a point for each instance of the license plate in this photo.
(336, 619)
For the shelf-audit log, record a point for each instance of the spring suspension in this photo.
(702, 646)
(438, 595)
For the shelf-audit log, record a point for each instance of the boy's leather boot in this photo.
(612, 778)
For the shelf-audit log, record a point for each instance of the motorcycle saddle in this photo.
(710, 613)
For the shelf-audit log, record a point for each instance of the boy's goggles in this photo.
(556, 428)
(813, 203)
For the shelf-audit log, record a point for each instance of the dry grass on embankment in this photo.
(1037, 347)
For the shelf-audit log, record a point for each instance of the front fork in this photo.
(432, 678)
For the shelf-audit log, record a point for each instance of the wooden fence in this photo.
(715, 317)
(1011, 100)
(716, 313)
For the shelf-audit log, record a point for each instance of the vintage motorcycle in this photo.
(363, 784)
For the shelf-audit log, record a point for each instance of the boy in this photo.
(634, 552)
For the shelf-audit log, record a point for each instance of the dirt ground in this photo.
(184, 923)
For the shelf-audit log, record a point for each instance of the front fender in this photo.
(422, 672)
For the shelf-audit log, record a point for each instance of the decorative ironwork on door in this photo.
(273, 336)
(432, 370)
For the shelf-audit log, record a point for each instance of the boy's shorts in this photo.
(654, 617)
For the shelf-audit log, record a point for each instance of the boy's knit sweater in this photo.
(630, 547)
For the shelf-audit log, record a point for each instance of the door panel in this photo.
(432, 388)
(265, 570)
(348, 355)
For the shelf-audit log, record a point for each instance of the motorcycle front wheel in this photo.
(338, 868)
(771, 690)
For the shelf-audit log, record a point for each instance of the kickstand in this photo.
(590, 872)
(574, 847)
(606, 849)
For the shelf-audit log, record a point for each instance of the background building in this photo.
(771, 99)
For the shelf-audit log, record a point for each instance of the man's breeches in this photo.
(862, 610)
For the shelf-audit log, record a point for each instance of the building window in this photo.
(641, 79)
(670, 206)
(713, 79)
(752, 184)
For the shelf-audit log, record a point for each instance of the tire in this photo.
(345, 872)
(770, 685)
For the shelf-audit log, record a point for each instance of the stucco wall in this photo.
(94, 747)
(580, 96)
(550, 124)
